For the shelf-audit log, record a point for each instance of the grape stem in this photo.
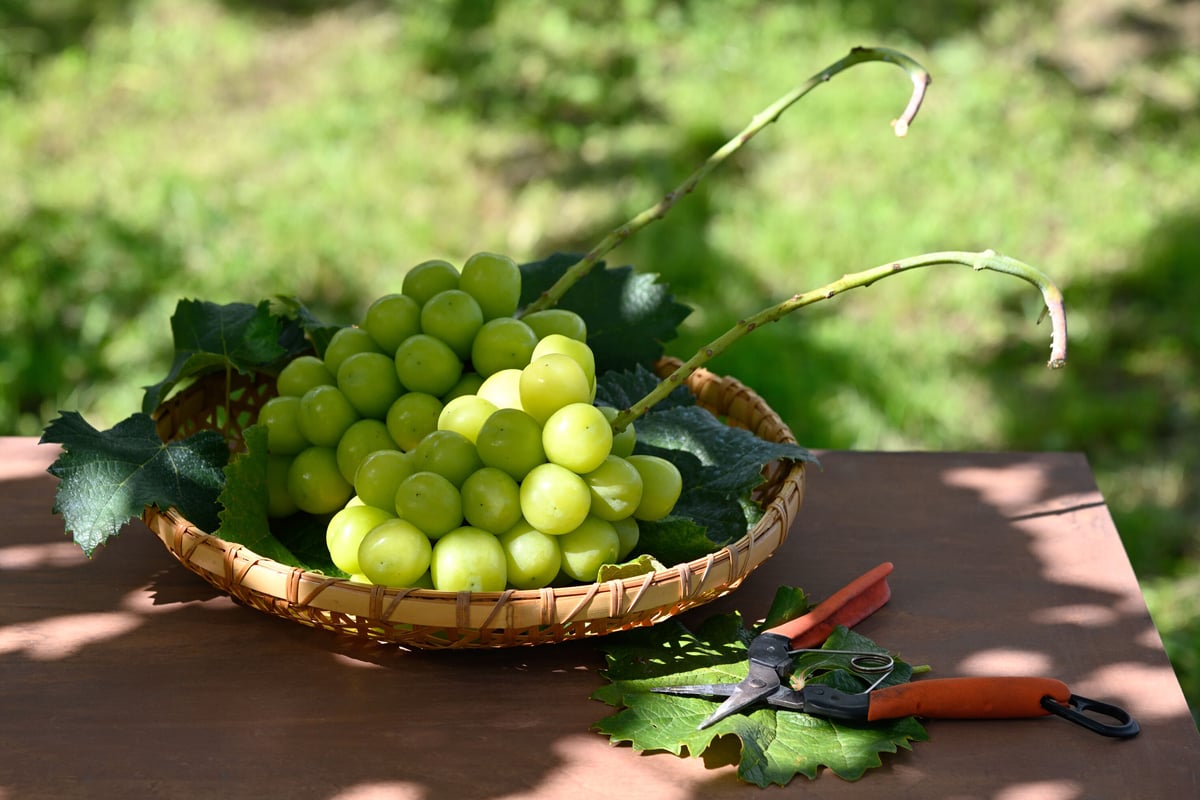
(986, 260)
(858, 55)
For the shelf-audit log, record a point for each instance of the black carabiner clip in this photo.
(1076, 710)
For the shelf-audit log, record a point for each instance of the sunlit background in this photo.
(152, 150)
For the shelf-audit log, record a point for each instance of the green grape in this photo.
(623, 440)
(661, 486)
(413, 417)
(469, 383)
(629, 533)
(279, 500)
(588, 547)
(454, 317)
(557, 320)
(465, 414)
(370, 383)
(533, 559)
(355, 500)
(428, 278)
(359, 441)
(394, 553)
(449, 454)
(301, 374)
(502, 389)
(380, 475)
(426, 364)
(359, 578)
(345, 343)
(315, 482)
(491, 500)
(469, 560)
(579, 351)
(495, 283)
(550, 382)
(345, 533)
(281, 415)
(578, 437)
(391, 319)
(430, 502)
(616, 489)
(325, 414)
(554, 499)
(511, 440)
(502, 343)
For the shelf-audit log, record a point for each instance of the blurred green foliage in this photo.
(158, 149)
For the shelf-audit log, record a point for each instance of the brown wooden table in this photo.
(127, 676)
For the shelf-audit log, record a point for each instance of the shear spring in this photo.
(862, 662)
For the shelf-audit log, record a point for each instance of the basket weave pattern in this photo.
(429, 619)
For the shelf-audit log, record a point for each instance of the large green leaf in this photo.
(109, 477)
(209, 336)
(775, 746)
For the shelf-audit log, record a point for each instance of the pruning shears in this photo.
(771, 655)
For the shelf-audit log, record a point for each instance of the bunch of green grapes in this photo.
(458, 447)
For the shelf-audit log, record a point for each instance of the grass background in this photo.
(229, 150)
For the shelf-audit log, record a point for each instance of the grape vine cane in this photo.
(986, 260)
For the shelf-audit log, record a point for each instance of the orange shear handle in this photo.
(848, 606)
(967, 698)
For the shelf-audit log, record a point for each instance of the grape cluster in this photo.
(458, 447)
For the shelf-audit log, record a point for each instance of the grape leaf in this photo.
(622, 388)
(732, 458)
(676, 539)
(789, 603)
(775, 746)
(720, 466)
(244, 518)
(629, 314)
(640, 565)
(209, 336)
(243, 501)
(306, 328)
(108, 477)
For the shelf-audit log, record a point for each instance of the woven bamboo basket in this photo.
(428, 619)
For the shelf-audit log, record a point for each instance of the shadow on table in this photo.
(231, 701)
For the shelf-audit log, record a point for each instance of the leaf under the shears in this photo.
(789, 602)
(775, 745)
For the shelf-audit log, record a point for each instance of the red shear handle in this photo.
(967, 698)
(848, 606)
